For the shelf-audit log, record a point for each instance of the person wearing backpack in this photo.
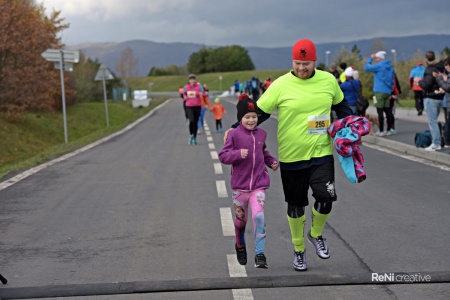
(443, 81)
(415, 76)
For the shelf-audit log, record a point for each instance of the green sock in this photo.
(318, 221)
(297, 226)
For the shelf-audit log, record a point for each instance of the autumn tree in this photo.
(126, 65)
(27, 80)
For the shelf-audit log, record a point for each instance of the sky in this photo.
(248, 23)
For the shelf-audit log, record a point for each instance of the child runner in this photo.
(245, 150)
(218, 111)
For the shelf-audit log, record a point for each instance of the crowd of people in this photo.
(430, 85)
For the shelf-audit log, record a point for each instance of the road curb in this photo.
(214, 284)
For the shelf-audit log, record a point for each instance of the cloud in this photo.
(265, 23)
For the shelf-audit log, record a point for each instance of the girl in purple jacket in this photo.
(245, 150)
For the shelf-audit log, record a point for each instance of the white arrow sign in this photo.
(72, 56)
(103, 73)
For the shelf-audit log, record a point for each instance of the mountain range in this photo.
(152, 54)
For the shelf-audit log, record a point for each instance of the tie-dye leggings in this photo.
(257, 200)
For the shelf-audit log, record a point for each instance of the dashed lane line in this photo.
(218, 168)
(227, 221)
(214, 155)
(221, 189)
(234, 268)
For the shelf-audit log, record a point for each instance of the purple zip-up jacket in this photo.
(250, 173)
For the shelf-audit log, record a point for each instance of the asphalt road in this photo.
(140, 215)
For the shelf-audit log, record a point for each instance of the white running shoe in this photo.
(433, 147)
(300, 261)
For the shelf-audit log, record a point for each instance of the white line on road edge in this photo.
(236, 270)
(211, 146)
(409, 157)
(218, 168)
(214, 155)
(221, 189)
(227, 221)
(40, 167)
(209, 138)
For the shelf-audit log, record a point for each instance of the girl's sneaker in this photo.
(260, 261)
(241, 254)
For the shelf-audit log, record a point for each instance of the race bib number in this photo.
(191, 94)
(318, 124)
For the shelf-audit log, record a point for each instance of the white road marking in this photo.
(218, 168)
(236, 270)
(409, 157)
(227, 221)
(243, 294)
(214, 155)
(221, 189)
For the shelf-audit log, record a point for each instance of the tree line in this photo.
(210, 60)
(30, 83)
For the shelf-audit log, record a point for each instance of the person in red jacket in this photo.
(193, 93)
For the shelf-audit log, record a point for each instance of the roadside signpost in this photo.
(60, 56)
(104, 74)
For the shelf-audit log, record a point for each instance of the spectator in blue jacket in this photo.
(351, 87)
(382, 88)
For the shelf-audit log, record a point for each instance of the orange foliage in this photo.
(27, 80)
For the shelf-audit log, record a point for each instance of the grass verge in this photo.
(39, 137)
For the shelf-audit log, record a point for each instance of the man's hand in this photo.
(225, 136)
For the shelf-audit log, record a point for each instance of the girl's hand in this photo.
(274, 166)
(244, 153)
